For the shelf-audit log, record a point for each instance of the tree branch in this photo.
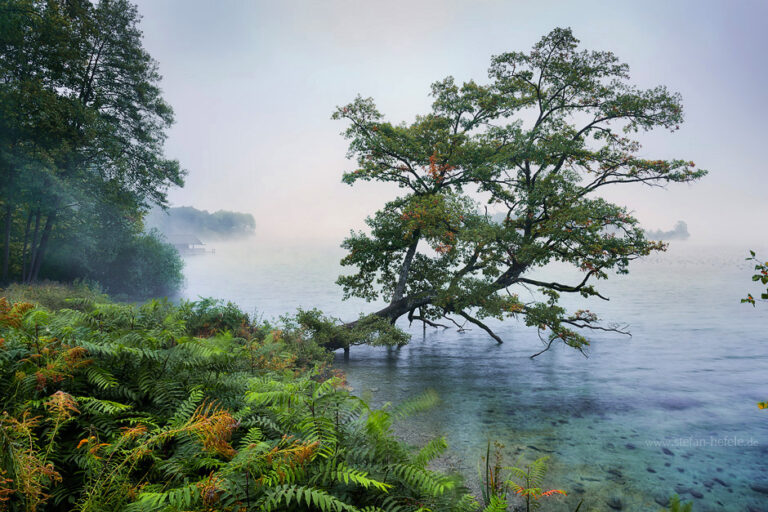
(482, 326)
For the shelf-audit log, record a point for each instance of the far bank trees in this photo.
(537, 143)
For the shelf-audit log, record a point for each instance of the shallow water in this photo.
(670, 409)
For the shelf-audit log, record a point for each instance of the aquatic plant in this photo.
(761, 274)
(499, 481)
(676, 506)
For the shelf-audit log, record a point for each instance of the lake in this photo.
(670, 409)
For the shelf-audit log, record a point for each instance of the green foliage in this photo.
(676, 506)
(145, 408)
(145, 266)
(536, 144)
(210, 316)
(82, 128)
(499, 482)
(761, 275)
(332, 334)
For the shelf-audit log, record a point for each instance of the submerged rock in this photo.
(761, 487)
(667, 451)
(615, 503)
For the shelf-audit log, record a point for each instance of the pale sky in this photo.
(253, 85)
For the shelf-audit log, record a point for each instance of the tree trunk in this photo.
(24, 246)
(7, 242)
(403, 278)
(33, 248)
(43, 245)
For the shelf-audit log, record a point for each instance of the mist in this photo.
(253, 86)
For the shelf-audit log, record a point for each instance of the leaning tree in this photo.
(537, 144)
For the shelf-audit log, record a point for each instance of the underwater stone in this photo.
(761, 487)
(667, 451)
(718, 481)
(629, 446)
(650, 470)
(696, 494)
(661, 500)
(615, 503)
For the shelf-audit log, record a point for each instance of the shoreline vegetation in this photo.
(197, 406)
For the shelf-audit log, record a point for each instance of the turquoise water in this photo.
(670, 409)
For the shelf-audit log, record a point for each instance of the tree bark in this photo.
(24, 246)
(7, 242)
(33, 248)
(403, 278)
(43, 245)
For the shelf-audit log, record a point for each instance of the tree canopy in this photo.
(537, 143)
(82, 128)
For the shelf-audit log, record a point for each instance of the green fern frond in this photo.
(420, 403)
(306, 496)
(497, 504)
(180, 498)
(433, 449)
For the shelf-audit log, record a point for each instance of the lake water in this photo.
(673, 408)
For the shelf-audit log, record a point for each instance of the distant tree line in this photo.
(679, 232)
(186, 219)
(82, 129)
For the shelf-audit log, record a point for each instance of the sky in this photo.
(254, 83)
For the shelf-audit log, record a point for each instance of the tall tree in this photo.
(84, 120)
(537, 144)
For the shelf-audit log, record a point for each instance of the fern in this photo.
(496, 504)
(307, 496)
(175, 417)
